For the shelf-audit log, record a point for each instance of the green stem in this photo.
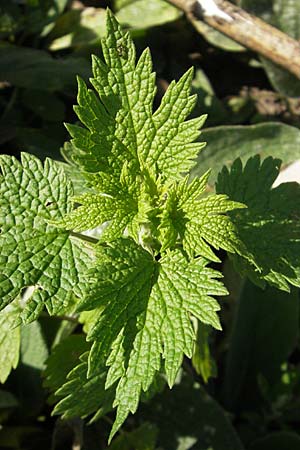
(85, 238)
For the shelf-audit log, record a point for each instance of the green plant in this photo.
(141, 282)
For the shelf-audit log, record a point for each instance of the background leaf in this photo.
(280, 440)
(154, 13)
(142, 438)
(226, 143)
(36, 69)
(189, 419)
(283, 14)
(269, 228)
(265, 331)
(9, 343)
(77, 28)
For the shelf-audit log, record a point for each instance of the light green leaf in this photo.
(144, 288)
(121, 126)
(34, 350)
(269, 228)
(33, 253)
(226, 143)
(77, 28)
(141, 14)
(95, 209)
(9, 342)
(127, 152)
(216, 38)
(124, 277)
(197, 221)
(147, 304)
(202, 359)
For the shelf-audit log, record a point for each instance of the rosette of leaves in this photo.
(151, 273)
(147, 274)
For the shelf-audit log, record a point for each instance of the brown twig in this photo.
(246, 29)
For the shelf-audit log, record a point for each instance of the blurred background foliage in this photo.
(250, 371)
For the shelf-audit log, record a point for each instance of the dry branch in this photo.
(246, 29)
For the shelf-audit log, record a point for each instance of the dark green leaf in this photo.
(280, 440)
(143, 438)
(36, 69)
(264, 334)
(64, 357)
(269, 228)
(226, 143)
(189, 419)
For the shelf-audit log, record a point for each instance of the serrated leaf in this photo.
(115, 212)
(202, 360)
(124, 276)
(198, 221)
(9, 343)
(269, 228)
(63, 358)
(33, 253)
(94, 398)
(144, 289)
(147, 304)
(125, 149)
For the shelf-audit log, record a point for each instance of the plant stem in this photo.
(85, 238)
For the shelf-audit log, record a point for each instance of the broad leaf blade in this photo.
(129, 130)
(203, 424)
(260, 353)
(144, 304)
(9, 343)
(94, 398)
(64, 357)
(34, 253)
(198, 221)
(141, 14)
(269, 228)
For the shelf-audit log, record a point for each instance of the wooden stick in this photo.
(246, 29)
